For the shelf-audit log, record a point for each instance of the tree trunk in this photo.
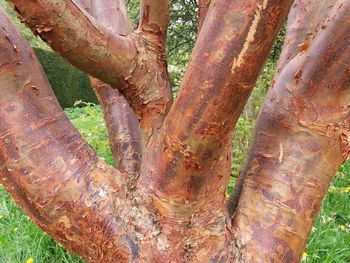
(165, 199)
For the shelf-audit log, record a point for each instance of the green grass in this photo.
(21, 240)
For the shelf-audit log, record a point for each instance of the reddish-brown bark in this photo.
(123, 127)
(50, 170)
(154, 19)
(214, 90)
(304, 21)
(176, 211)
(306, 115)
(203, 6)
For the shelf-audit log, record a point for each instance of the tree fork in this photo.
(215, 88)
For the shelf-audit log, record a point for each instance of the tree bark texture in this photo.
(165, 201)
(306, 115)
(122, 124)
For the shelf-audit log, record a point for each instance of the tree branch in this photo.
(203, 6)
(76, 36)
(304, 22)
(306, 116)
(122, 123)
(121, 61)
(229, 54)
(111, 14)
(51, 172)
(123, 128)
(154, 20)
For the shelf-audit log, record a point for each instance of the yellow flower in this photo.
(346, 190)
(342, 228)
(29, 260)
(332, 189)
(15, 229)
(304, 257)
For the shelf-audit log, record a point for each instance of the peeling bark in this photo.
(47, 166)
(214, 90)
(154, 20)
(305, 20)
(306, 115)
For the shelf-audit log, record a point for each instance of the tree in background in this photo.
(165, 199)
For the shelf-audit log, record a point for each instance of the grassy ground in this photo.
(22, 241)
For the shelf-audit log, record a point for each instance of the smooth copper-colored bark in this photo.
(306, 115)
(111, 14)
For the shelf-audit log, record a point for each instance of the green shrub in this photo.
(68, 83)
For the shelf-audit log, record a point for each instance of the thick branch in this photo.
(75, 35)
(304, 21)
(301, 139)
(229, 54)
(46, 165)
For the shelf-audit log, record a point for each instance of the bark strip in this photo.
(306, 115)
